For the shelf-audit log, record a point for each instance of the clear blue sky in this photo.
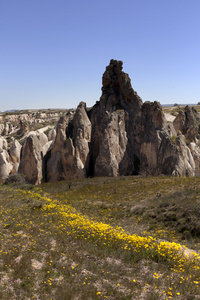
(53, 52)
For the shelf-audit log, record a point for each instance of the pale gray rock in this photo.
(3, 144)
(52, 135)
(15, 151)
(5, 165)
(43, 139)
(6, 129)
(15, 168)
(185, 163)
(187, 123)
(1, 129)
(60, 139)
(195, 151)
(46, 147)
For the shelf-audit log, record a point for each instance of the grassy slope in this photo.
(54, 245)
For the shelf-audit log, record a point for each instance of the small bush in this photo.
(16, 178)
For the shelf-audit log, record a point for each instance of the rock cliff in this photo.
(119, 135)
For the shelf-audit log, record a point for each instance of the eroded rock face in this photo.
(120, 135)
(195, 151)
(69, 156)
(82, 130)
(112, 147)
(117, 96)
(31, 164)
(52, 135)
(188, 123)
(24, 126)
(15, 151)
(43, 139)
(5, 165)
(3, 144)
(1, 129)
(6, 129)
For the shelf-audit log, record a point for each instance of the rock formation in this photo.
(15, 151)
(119, 135)
(24, 126)
(69, 153)
(5, 165)
(1, 129)
(3, 144)
(188, 123)
(52, 135)
(31, 164)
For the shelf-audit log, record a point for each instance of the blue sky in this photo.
(53, 52)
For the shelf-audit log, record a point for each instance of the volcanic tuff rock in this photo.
(3, 144)
(188, 123)
(69, 153)
(119, 135)
(5, 165)
(15, 151)
(15, 129)
(31, 164)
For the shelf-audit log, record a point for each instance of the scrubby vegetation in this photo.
(100, 238)
(174, 110)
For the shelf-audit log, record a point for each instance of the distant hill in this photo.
(11, 110)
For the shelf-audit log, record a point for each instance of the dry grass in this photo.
(89, 239)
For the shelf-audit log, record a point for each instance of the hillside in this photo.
(100, 238)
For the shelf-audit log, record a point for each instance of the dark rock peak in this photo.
(117, 91)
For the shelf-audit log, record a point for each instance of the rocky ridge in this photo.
(119, 135)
